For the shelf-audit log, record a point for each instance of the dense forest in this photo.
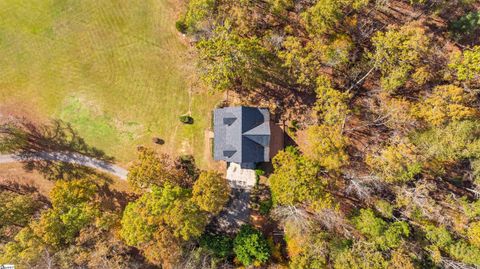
(381, 102)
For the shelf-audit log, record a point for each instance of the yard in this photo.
(116, 70)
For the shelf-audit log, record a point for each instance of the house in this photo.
(242, 135)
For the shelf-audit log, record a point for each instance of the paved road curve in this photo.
(73, 158)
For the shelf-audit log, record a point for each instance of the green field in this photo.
(116, 70)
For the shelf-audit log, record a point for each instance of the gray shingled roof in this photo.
(242, 134)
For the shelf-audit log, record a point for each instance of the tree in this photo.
(327, 146)
(306, 249)
(220, 245)
(451, 142)
(439, 236)
(151, 169)
(331, 105)
(399, 54)
(73, 207)
(211, 192)
(142, 218)
(384, 235)
(281, 6)
(360, 256)
(465, 252)
(473, 233)
(59, 227)
(446, 103)
(185, 219)
(25, 250)
(251, 247)
(466, 65)
(166, 214)
(306, 58)
(397, 112)
(67, 194)
(401, 259)
(16, 210)
(466, 25)
(197, 12)
(228, 59)
(325, 15)
(295, 180)
(398, 162)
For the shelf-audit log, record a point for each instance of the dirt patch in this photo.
(14, 173)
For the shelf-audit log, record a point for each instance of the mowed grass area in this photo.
(116, 70)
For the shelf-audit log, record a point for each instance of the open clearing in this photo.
(116, 70)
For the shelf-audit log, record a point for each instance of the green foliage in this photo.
(66, 194)
(150, 169)
(465, 252)
(181, 26)
(399, 53)
(279, 7)
(73, 208)
(326, 145)
(326, 15)
(295, 179)
(360, 256)
(185, 219)
(186, 119)
(384, 208)
(197, 12)
(439, 236)
(367, 223)
(331, 105)
(466, 65)
(142, 218)
(220, 245)
(396, 163)
(16, 209)
(305, 60)
(385, 235)
(211, 192)
(251, 247)
(454, 141)
(473, 233)
(259, 172)
(470, 209)
(466, 25)
(265, 207)
(59, 227)
(25, 250)
(226, 58)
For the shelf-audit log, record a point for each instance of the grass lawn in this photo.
(116, 70)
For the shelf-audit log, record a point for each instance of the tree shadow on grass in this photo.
(36, 145)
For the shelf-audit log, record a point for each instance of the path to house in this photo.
(68, 157)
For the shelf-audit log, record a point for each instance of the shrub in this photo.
(466, 25)
(265, 207)
(251, 247)
(220, 245)
(181, 26)
(186, 119)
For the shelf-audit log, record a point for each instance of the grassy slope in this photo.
(115, 69)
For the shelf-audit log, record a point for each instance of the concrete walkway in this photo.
(241, 176)
(68, 157)
(242, 179)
